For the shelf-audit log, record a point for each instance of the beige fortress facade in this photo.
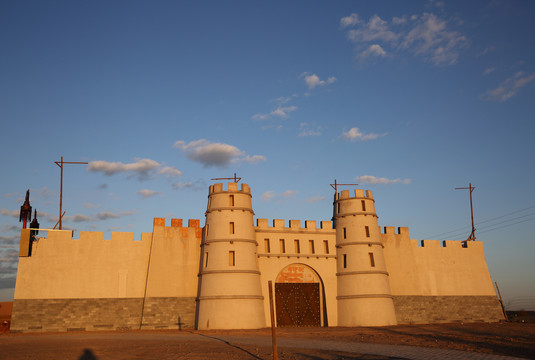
(344, 272)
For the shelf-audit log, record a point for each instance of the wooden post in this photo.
(271, 310)
(501, 302)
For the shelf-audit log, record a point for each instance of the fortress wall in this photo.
(61, 267)
(172, 279)
(324, 264)
(95, 284)
(434, 281)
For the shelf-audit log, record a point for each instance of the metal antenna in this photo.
(472, 235)
(235, 178)
(335, 185)
(60, 164)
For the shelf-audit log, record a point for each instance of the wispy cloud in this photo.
(305, 130)
(509, 88)
(192, 185)
(313, 80)
(315, 199)
(373, 50)
(141, 168)
(146, 193)
(373, 180)
(215, 154)
(354, 134)
(424, 35)
(271, 195)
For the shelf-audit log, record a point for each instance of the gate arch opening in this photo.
(299, 297)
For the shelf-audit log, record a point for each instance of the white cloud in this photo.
(355, 134)
(283, 111)
(423, 35)
(350, 20)
(260, 117)
(214, 154)
(509, 88)
(313, 80)
(253, 159)
(170, 171)
(372, 180)
(373, 50)
(271, 195)
(488, 71)
(146, 193)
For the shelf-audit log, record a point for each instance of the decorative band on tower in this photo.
(230, 294)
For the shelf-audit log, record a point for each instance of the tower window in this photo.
(282, 246)
(363, 205)
(297, 247)
(338, 208)
(266, 245)
(231, 200)
(345, 261)
(231, 228)
(345, 233)
(367, 229)
(206, 259)
(311, 246)
(372, 260)
(231, 258)
(326, 246)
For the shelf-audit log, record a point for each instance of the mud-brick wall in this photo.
(445, 309)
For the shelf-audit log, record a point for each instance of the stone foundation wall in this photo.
(444, 309)
(169, 313)
(42, 315)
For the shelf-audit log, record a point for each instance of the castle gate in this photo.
(297, 296)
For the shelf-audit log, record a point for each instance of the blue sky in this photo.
(408, 99)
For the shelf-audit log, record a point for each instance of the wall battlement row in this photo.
(192, 223)
(293, 225)
(358, 194)
(231, 186)
(402, 234)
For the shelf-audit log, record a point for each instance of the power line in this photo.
(464, 228)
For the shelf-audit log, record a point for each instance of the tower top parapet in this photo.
(232, 188)
(358, 194)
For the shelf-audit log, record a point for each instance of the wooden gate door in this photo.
(297, 304)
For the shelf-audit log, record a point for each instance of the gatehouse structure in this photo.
(343, 272)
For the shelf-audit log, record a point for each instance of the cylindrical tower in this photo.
(230, 295)
(364, 297)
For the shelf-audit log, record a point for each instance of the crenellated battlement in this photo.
(358, 194)
(177, 223)
(293, 225)
(401, 236)
(232, 187)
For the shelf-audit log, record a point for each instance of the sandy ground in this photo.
(514, 339)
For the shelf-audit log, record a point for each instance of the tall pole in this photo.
(60, 164)
(473, 233)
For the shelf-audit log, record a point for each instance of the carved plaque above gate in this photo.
(297, 273)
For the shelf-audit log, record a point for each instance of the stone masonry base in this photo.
(40, 315)
(443, 309)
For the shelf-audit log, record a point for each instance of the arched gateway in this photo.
(298, 296)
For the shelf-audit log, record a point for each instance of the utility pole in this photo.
(472, 235)
(60, 164)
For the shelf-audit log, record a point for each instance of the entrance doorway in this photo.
(297, 297)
